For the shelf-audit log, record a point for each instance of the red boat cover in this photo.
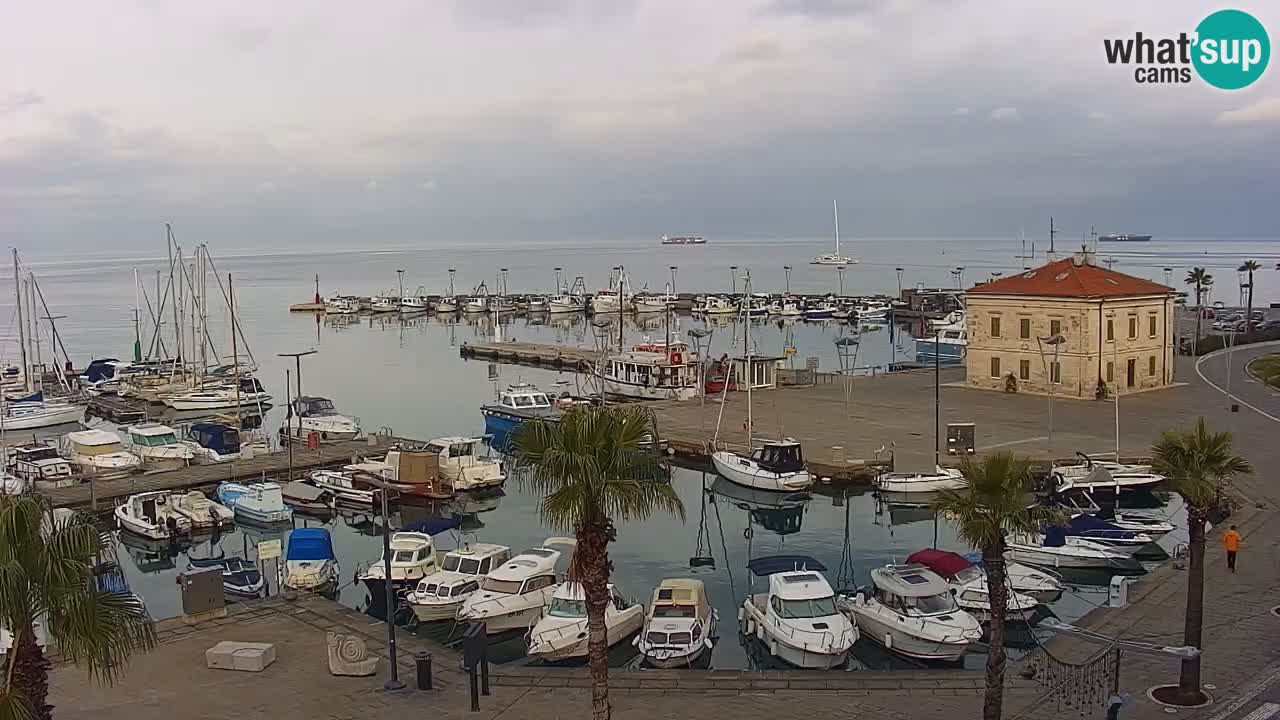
(946, 564)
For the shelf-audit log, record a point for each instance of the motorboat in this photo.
(561, 632)
(910, 610)
(341, 306)
(608, 302)
(777, 465)
(786, 307)
(955, 318)
(11, 484)
(718, 305)
(221, 397)
(40, 466)
(478, 302)
(412, 475)
(343, 485)
(463, 465)
(945, 346)
(317, 415)
(100, 453)
(260, 503)
(680, 625)
(939, 479)
(447, 304)
(212, 442)
(414, 303)
(1155, 527)
(384, 303)
(33, 411)
(1056, 549)
(538, 304)
(968, 583)
(1103, 532)
(797, 618)
(516, 404)
(652, 301)
(306, 497)
(102, 375)
(876, 310)
(309, 563)
(652, 374)
(151, 515)
(240, 577)
(158, 446)
(819, 310)
(440, 595)
(1100, 478)
(565, 303)
(413, 557)
(834, 258)
(1039, 584)
(513, 595)
(200, 511)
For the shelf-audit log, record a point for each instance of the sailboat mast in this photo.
(835, 212)
(235, 353)
(620, 287)
(137, 320)
(22, 330)
(746, 321)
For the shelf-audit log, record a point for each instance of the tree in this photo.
(593, 470)
(1202, 280)
(992, 505)
(47, 577)
(1249, 266)
(1199, 465)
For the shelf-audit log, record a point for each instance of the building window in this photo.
(1151, 366)
(1111, 372)
(1151, 325)
(1024, 369)
(1024, 328)
(1133, 327)
(1131, 372)
(1055, 372)
(995, 326)
(1111, 330)
(1055, 327)
(995, 367)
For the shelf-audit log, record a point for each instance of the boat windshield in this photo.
(402, 556)
(566, 608)
(316, 407)
(95, 450)
(969, 574)
(504, 587)
(816, 607)
(674, 611)
(155, 440)
(942, 602)
(466, 566)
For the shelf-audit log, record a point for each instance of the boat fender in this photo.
(888, 641)
(741, 614)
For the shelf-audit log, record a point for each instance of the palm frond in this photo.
(994, 504)
(100, 630)
(1198, 463)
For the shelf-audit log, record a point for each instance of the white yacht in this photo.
(565, 303)
(261, 503)
(413, 557)
(1100, 477)
(343, 486)
(151, 515)
(1042, 585)
(968, 583)
(318, 415)
(561, 633)
(1055, 549)
(200, 511)
(462, 464)
(652, 374)
(221, 397)
(797, 619)
(40, 466)
(158, 446)
(99, 452)
(834, 258)
(36, 412)
(512, 596)
(440, 595)
(775, 465)
(680, 625)
(213, 442)
(911, 611)
(939, 479)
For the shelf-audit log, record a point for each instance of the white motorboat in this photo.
(834, 258)
(200, 511)
(440, 595)
(1155, 527)
(653, 302)
(462, 464)
(680, 625)
(341, 306)
(607, 302)
(939, 479)
(212, 442)
(99, 452)
(151, 515)
(911, 611)
(11, 484)
(653, 373)
(819, 310)
(221, 397)
(414, 303)
(1104, 532)
(718, 305)
(945, 346)
(561, 632)
(318, 415)
(40, 466)
(1039, 584)
(413, 557)
(797, 619)
(447, 304)
(955, 318)
(1100, 478)
(755, 305)
(478, 301)
(968, 583)
(512, 596)
(343, 486)
(564, 303)
(35, 412)
(538, 304)
(786, 307)
(261, 503)
(1055, 549)
(309, 563)
(384, 303)
(777, 466)
(158, 446)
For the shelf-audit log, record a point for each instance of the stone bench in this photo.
(245, 656)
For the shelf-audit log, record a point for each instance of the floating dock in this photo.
(532, 354)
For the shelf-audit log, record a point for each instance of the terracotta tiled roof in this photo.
(1064, 278)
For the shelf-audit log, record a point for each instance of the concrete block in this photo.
(243, 656)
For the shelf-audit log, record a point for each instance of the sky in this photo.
(292, 124)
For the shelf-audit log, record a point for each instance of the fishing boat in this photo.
(607, 302)
(317, 415)
(834, 258)
(911, 611)
(389, 302)
(158, 446)
(717, 305)
(1055, 549)
(39, 465)
(413, 557)
(260, 503)
(478, 301)
(946, 346)
(797, 618)
(561, 632)
(666, 373)
(968, 582)
(653, 301)
(221, 397)
(212, 442)
(440, 595)
(341, 306)
(516, 404)
(786, 307)
(565, 303)
(200, 511)
(680, 625)
(939, 479)
(151, 515)
(309, 563)
(464, 466)
(240, 577)
(33, 411)
(99, 452)
(537, 304)
(513, 595)
(819, 310)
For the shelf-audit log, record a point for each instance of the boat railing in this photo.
(819, 638)
(572, 631)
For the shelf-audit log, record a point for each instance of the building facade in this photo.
(1072, 324)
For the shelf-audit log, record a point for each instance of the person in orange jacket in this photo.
(1231, 541)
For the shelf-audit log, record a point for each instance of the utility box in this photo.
(961, 439)
(1118, 596)
(202, 591)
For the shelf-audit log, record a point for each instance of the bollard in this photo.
(423, 662)
(475, 689)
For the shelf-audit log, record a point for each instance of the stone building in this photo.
(1103, 325)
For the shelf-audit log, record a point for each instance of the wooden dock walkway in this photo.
(561, 357)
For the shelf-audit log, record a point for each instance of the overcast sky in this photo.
(287, 123)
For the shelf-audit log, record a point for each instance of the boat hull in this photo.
(929, 350)
(925, 485)
(217, 403)
(508, 621)
(732, 468)
(895, 640)
(434, 612)
(1044, 557)
(640, 391)
(46, 417)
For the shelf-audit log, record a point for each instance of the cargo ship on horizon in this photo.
(683, 240)
(1123, 237)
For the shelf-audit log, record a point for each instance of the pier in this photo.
(560, 357)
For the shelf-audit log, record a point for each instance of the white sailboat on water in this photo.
(834, 258)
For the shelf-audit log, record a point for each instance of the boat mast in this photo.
(137, 320)
(235, 356)
(746, 321)
(620, 322)
(33, 327)
(835, 212)
(22, 331)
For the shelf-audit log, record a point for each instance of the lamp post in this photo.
(288, 430)
(899, 271)
(787, 269)
(400, 281)
(1054, 341)
(733, 279)
(392, 683)
(960, 276)
(673, 270)
(840, 273)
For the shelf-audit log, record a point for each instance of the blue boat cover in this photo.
(774, 564)
(434, 526)
(1055, 536)
(310, 544)
(1086, 525)
(100, 370)
(216, 436)
(37, 396)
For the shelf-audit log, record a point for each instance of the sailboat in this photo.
(777, 465)
(834, 258)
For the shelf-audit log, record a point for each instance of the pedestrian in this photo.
(1231, 541)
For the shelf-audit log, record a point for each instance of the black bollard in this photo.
(423, 662)
(475, 689)
(484, 673)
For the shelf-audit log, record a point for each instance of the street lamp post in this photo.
(392, 683)
(673, 270)
(840, 273)
(787, 269)
(899, 271)
(1055, 341)
(400, 280)
(733, 278)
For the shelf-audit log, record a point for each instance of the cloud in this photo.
(758, 48)
(1004, 113)
(961, 111)
(1266, 110)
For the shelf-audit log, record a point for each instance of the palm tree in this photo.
(1249, 266)
(47, 565)
(592, 470)
(1201, 279)
(992, 505)
(1199, 465)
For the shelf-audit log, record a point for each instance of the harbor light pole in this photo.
(673, 270)
(840, 274)
(400, 280)
(1054, 341)
(899, 271)
(557, 290)
(393, 683)
(787, 269)
(733, 279)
